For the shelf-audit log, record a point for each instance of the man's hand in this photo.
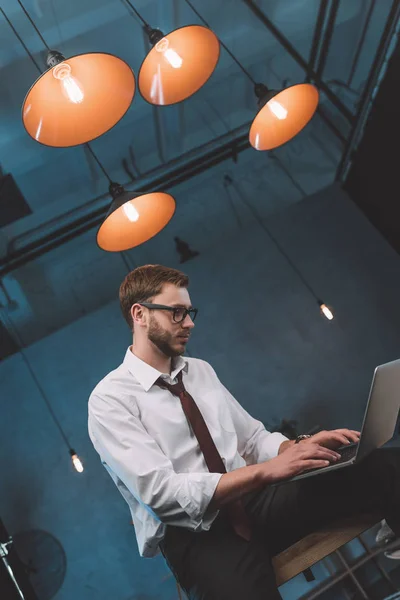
(333, 439)
(299, 458)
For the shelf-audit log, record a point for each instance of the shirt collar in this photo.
(148, 375)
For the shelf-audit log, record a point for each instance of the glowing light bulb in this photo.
(70, 85)
(277, 109)
(131, 212)
(326, 311)
(170, 55)
(76, 461)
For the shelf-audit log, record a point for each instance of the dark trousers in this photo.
(219, 565)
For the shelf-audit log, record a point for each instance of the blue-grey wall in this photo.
(259, 327)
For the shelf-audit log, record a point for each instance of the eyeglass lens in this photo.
(180, 314)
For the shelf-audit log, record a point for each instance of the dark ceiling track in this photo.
(180, 174)
(291, 50)
(392, 24)
(327, 38)
(315, 45)
(360, 44)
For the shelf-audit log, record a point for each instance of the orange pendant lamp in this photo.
(77, 99)
(179, 63)
(133, 217)
(71, 104)
(282, 114)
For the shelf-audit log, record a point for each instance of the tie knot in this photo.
(174, 388)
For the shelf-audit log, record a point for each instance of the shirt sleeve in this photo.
(255, 443)
(179, 499)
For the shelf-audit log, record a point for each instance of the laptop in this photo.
(379, 422)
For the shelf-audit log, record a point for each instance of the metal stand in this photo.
(349, 572)
(3, 555)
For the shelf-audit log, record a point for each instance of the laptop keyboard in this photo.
(346, 453)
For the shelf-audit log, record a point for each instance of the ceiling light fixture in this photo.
(77, 99)
(179, 63)
(133, 217)
(282, 114)
(228, 184)
(76, 461)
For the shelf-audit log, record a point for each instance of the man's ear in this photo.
(138, 315)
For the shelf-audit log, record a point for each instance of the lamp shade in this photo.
(282, 115)
(78, 99)
(134, 218)
(178, 65)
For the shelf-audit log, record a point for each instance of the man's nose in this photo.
(188, 322)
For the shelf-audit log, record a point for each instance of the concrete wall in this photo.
(262, 331)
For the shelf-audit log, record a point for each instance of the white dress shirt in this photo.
(146, 444)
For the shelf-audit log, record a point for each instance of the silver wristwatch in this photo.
(304, 436)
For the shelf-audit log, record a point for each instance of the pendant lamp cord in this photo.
(98, 162)
(33, 24)
(137, 13)
(233, 57)
(229, 182)
(8, 322)
(21, 41)
(126, 262)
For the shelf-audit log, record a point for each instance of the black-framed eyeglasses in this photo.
(179, 313)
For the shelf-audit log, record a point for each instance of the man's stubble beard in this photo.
(162, 339)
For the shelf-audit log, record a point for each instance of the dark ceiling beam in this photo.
(315, 45)
(316, 41)
(224, 148)
(360, 44)
(327, 38)
(302, 62)
(364, 104)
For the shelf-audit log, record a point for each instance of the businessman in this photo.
(197, 470)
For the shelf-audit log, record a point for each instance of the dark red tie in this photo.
(235, 510)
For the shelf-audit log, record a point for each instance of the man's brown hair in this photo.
(143, 283)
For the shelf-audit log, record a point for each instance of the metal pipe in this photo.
(3, 556)
(291, 50)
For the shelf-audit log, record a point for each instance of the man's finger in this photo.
(339, 437)
(314, 464)
(315, 450)
(350, 433)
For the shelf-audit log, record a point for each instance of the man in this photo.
(197, 470)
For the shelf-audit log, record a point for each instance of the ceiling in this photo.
(185, 148)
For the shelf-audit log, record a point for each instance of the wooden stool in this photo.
(305, 553)
(314, 547)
